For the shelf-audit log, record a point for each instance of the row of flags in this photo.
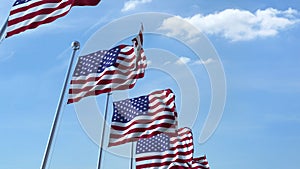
(150, 120)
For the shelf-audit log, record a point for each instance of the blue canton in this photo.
(126, 110)
(96, 62)
(157, 143)
(18, 2)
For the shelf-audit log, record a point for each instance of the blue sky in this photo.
(256, 42)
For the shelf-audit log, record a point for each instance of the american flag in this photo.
(160, 151)
(106, 70)
(29, 14)
(143, 117)
(138, 41)
(197, 163)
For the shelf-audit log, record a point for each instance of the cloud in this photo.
(183, 60)
(186, 60)
(234, 24)
(177, 27)
(204, 62)
(132, 4)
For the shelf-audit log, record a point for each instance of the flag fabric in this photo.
(160, 151)
(106, 70)
(197, 163)
(29, 14)
(200, 163)
(143, 117)
(138, 41)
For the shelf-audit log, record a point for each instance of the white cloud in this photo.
(234, 24)
(183, 60)
(204, 62)
(186, 60)
(132, 4)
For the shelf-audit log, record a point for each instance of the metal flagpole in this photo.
(131, 159)
(103, 132)
(75, 46)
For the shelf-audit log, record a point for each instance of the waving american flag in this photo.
(29, 14)
(197, 163)
(162, 150)
(106, 70)
(143, 117)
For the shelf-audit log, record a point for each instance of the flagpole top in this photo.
(75, 45)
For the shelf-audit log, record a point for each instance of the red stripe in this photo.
(86, 2)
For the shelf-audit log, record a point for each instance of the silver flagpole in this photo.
(103, 132)
(131, 159)
(75, 46)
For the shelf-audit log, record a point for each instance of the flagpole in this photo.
(131, 159)
(103, 132)
(75, 46)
